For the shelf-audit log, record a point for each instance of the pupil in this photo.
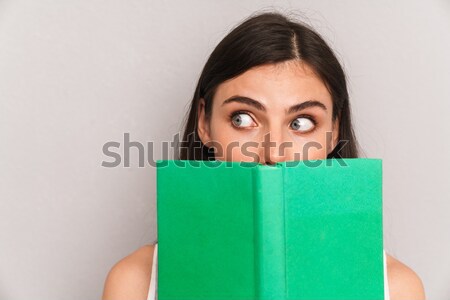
(238, 120)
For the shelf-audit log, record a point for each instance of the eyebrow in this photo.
(256, 104)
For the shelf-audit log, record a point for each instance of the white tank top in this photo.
(153, 292)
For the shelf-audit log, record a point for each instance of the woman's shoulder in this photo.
(403, 282)
(129, 278)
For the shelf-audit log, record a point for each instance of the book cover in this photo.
(295, 230)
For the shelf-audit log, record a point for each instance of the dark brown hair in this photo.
(266, 38)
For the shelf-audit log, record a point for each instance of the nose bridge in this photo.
(274, 145)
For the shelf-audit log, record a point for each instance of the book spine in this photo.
(270, 258)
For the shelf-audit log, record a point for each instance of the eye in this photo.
(303, 124)
(242, 119)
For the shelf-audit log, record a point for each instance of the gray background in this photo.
(77, 74)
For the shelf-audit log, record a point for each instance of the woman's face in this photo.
(270, 113)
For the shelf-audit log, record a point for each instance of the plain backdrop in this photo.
(76, 74)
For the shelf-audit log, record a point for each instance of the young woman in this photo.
(272, 90)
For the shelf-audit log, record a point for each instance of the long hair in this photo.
(265, 38)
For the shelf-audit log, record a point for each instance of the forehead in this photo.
(277, 85)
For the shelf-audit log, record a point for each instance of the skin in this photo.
(276, 88)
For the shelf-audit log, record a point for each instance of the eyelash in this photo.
(311, 118)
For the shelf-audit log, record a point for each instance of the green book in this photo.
(294, 230)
